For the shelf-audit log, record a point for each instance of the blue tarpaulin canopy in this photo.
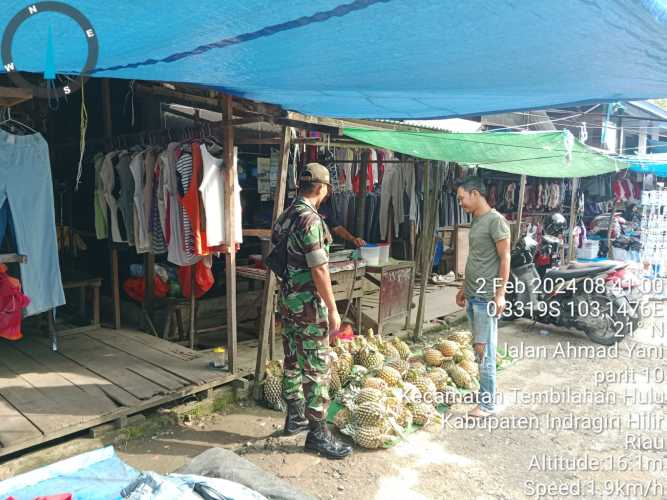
(648, 164)
(369, 58)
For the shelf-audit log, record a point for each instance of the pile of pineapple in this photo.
(384, 387)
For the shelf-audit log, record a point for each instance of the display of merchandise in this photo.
(654, 227)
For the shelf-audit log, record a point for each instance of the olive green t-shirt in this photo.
(483, 263)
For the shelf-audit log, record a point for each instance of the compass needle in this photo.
(50, 62)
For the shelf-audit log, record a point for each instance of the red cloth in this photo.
(59, 496)
(380, 166)
(135, 288)
(192, 201)
(625, 190)
(370, 181)
(204, 279)
(312, 150)
(12, 302)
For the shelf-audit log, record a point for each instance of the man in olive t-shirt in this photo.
(486, 273)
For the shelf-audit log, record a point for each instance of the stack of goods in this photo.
(384, 387)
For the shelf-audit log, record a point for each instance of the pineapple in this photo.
(460, 377)
(342, 418)
(357, 344)
(419, 366)
(375, 383)
(389, 351)
(433, 357)
(470, 367)
(404, 418)
(371, 358)
(463, 338)
(413, 374)
(469, 354)
(448, 348)
(402, 348)
(411, 393)
(439, 377)
(344, 366)
(371, 437)
(335, 385)
(369, 413)
(427, 388)
(273, 385)
(372, 339)
(421, 412)
(399, 365)
(390, 375)
(357, 376)
(368, 394)
(450, 394)
(340, 347)
(447, 365)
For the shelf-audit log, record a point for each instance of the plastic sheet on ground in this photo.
(102, 475)
(96, 475)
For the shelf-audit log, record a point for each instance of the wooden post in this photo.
(361, 197)
(426, 240)
(266, 317)
(519, 215)
(193, 308)
(230, 225)
(113, 250)
(619, 146)
(573, 220)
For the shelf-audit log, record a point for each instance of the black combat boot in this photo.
(295, 422)
(320, 440)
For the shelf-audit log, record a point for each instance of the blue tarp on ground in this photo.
(370, 58)
(96, 475)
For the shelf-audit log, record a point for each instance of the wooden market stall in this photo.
(86, 375)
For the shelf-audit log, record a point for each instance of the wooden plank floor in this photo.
(96, 377)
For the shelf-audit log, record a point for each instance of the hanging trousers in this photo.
(26, 200)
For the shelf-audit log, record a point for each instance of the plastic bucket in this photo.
(371, 254)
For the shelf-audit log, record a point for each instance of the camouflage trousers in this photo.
(306, 366)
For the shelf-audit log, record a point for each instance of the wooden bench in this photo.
(84, 284)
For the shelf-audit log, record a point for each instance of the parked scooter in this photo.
(586, 297)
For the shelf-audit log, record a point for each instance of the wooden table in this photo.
(395, 281)
(346, 282)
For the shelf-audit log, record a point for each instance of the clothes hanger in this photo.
(10, 120)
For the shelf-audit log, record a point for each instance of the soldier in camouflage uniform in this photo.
(308, 311)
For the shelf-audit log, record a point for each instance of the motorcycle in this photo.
(591, 298)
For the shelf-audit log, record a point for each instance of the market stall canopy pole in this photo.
(540, 154)
(419, 59)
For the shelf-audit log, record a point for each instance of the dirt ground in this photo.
(478, 463)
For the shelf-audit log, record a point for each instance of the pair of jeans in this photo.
(484, 328)
(26, 195)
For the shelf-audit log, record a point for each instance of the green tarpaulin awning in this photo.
(538, 154)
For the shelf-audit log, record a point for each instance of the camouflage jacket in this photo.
(307, 246)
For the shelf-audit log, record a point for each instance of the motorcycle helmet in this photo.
(555, 224)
